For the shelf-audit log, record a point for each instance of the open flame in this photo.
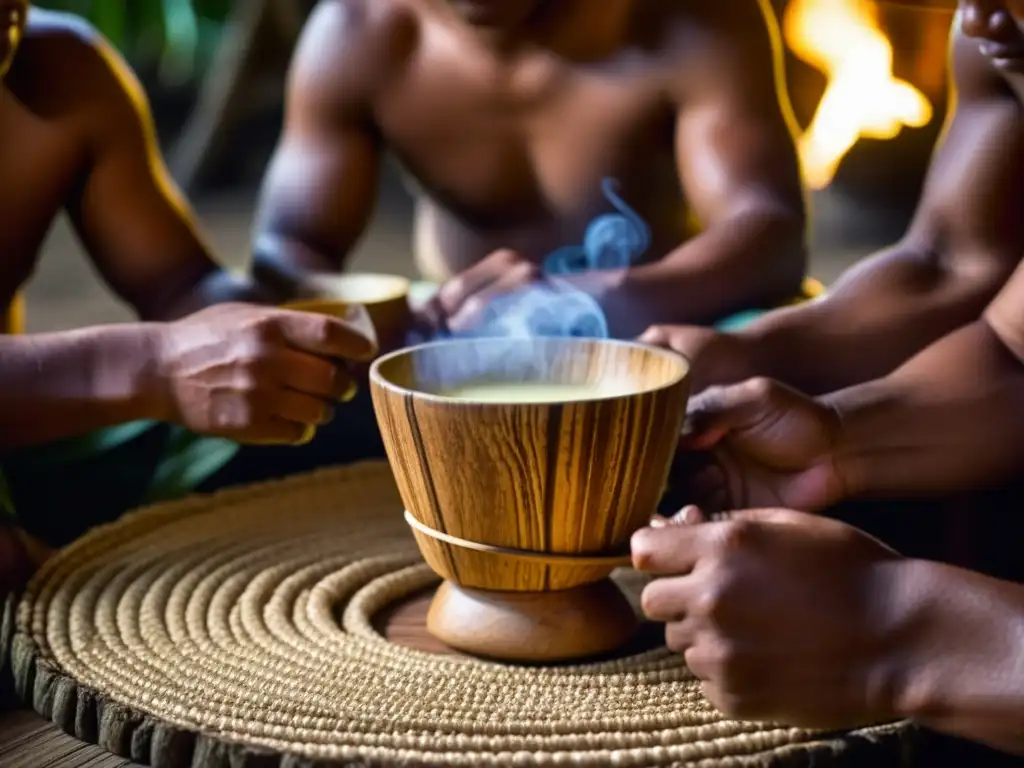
(842, 39)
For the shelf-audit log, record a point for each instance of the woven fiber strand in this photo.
(235, 630)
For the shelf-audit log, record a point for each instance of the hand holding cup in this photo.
(256, 374)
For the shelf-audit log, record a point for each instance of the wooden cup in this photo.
(525, 508)
(386, 298)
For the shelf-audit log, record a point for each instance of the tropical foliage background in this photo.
(171, 41)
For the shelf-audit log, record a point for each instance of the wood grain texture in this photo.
(574, 477)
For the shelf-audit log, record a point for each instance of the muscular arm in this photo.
(966, 239)
(738, 165)
(949, 419)
(321, 185)
(58, 385)
(131, 219)
(961, 635)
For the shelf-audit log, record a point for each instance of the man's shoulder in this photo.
(60, 38)
(381, 27)
(66, 67)
(349, 50)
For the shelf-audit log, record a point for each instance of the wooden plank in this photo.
(29, 741)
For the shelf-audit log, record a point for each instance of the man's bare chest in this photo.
(496, 158)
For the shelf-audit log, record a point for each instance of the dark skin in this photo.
(964, 242)
(76, 135)
(508, 114)
(795, 618)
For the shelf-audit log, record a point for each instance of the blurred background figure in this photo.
(867, 84)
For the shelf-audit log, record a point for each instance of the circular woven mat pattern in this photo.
(235, 630)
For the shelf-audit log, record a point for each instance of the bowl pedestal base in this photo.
(534, 627)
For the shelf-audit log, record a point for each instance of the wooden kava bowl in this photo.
(524, 500)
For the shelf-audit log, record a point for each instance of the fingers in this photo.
(719, 410)
(666, 599)
(303, 409)
(673, 549)
(313, 375)
(454, 293)
(351, 337)
(429, 321)
(689, 515)
(278, 431)
(469, 313)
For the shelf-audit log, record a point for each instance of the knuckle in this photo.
(265, 328)
(712, 603)
(724, 658)
(759, 388)
(527, 270)
(507, 257)
(253, 362)
(321, 329)
(738, 535)
(245, 413)
(708, 604)
(474, 305)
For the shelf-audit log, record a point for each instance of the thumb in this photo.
(717, 411)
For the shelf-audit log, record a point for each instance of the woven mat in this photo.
(235, 630)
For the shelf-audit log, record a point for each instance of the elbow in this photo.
(272, 272)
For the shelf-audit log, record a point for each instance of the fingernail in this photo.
(689, 515)
(349, 394)
(307, 435)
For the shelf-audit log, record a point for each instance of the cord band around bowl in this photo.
(621, 560)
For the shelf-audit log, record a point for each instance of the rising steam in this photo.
(555, 307)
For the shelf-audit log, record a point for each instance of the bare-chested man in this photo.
(510, 114)
(75, 135)
(965, 240)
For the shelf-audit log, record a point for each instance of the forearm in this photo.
(206, 285)
(957, 642)
(878, 315)
(754, 259)
(951, 419)
(60, 385)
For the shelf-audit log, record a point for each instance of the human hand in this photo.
(259, 375)
(759, 444)
(715, 357)
(785, 617)
(461, 302)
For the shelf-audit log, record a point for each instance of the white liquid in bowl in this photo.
(533, 392)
